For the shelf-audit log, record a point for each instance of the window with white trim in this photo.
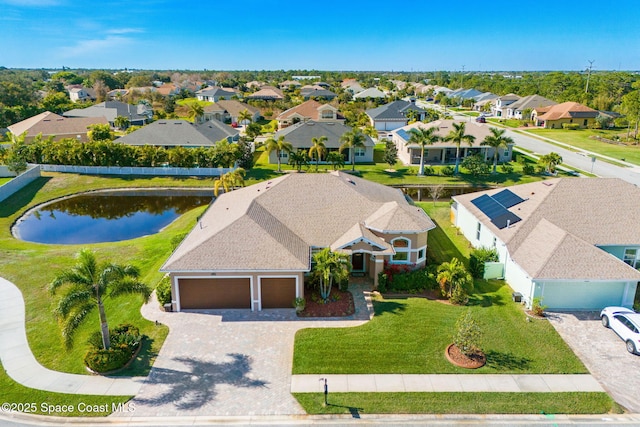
(402, 247)
(359, 151)
(421, 254)
(478, 228)
(631, 257)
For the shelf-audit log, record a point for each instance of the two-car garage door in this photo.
(235, 292)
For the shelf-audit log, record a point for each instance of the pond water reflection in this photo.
(107, 216)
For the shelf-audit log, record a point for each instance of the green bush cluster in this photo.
(570, 126)
(410, 281)
(477, 259)
(163, 291)
(125, 341)
(528, 169)
(447, 170)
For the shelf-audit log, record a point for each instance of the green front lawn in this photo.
(5, 180)
(32, 266)
(459, 403)
(583, 139)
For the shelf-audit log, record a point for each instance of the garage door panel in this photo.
(278, 292)
(215, 293)
(582, 296)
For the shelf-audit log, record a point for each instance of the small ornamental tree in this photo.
(467, 336)
(390, 153)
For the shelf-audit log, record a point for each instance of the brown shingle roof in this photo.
(273, 224)
(49, 123)
(566, 110)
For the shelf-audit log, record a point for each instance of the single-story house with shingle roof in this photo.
(394, 114)
(301, 134)
(138, 114)
(516, 110)
(49, 124)
(309, 110)
(571, 242)
(229, 110)
(554, 116)
(372, 92)
(253, 247)
(215, 94)
(173, 133)
(444, 152)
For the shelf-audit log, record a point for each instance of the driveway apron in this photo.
(228, 362)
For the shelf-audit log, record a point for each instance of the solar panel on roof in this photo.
(497, 213)
(505, 220)
(403, 134)
(507, 198)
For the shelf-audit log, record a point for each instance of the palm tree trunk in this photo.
(104, 326)
(278, 155)
(495, 161)
(353, 158)
(455, 170)
(421, 170)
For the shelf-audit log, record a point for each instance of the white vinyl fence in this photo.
(114, 170)
(32, 173)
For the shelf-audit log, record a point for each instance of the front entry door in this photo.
(357, 261)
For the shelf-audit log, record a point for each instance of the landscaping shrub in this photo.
(528, 169)
(428, 170)
(477, 259)
(506, 168)
(447, 170)
(570, 126)
(468, 334)
(403, 278)
(475, 165)
(125, 341)
(163, 291)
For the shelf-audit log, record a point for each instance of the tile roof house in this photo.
(215, 94)
(267, 93)
(229, 110)
(173, 133)
(49, 124)
(394, 114)
(253, 246)
(288, 84)
(567, 241)
(138, 115)
(443, 152)
(555, 116)
(309, 110)
(516, 109)
(301, 134)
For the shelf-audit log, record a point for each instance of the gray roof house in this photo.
(173, 133)
(499, 107)
(371, 92)
(571, 242)
(317, 92)
(138, 114)
(301, 134)
(464, 93)
(394, 114)
(253, 246)
(515, 110)
(214, 94)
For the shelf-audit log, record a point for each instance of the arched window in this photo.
(402, 247)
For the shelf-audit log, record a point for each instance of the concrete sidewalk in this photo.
(23, 367)
(445, 383)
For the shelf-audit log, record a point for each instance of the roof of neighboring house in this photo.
(267, 92)
(486, 96)
(216, 92)
(372, 92)
(49, 123)
(234, 107)
(317, 91)
(352, 84)
(464, 93)
(300, 134)
(274, 224)
(287, 83)
(179, 132)
(562, 223)
(509, 97)
(393, 111)
(309, 109)
(478, 130)
(110, 110)
(566, 110)
(168, 89)
(531, 101)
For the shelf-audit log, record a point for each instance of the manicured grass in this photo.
(511, 123)
(445, 242)
(410, 335)
(187, 101)
(56, 404)
(459, 403)
(582, 139)
(5, 180)
(32, 266)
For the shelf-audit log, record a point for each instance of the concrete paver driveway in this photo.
(603, 353)
(227, 362)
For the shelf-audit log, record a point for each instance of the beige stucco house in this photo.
(254, 246)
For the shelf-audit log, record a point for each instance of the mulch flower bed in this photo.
(340, 305)
(458, 358)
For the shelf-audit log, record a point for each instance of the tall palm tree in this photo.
(229, 180)
(196, 110)
(550, 161)
(458, 136)
(278, 146)
(336, 159)
(244, 116)
(452, 275)
(121, 122)
(329, 266)
(318, 148)
(89, 283)
(352, 140)
(423, 137)
(496, 140)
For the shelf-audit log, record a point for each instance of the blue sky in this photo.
(422, 35)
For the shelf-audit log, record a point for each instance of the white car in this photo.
(625, 323)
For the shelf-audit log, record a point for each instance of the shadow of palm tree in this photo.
(392, 307)
(506, 361)
(194, 387)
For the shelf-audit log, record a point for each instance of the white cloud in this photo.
(124, 31)
(106, 46)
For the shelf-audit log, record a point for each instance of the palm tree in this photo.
(278, 146)
(458, 136)
(318, 148)
(329, 266)
(550, 161)
(496, 140)
(196, 110)
(423, 137)
(121, 122)
(229, 180)
(452, 275)
(244, 116)
(336, 159)
(90, 283)
(352, 140)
